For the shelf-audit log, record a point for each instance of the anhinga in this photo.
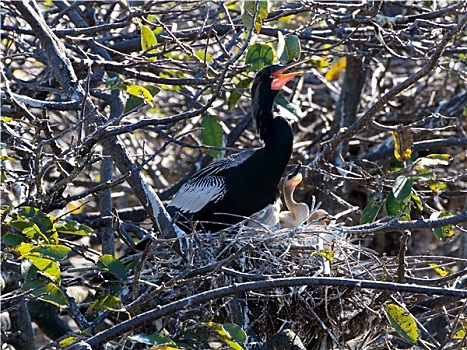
(240, 185)
(298, 213)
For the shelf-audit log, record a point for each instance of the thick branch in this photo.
(197, 299)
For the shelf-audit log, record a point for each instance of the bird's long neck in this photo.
(277, 136)
(288, 191)
(263, 115)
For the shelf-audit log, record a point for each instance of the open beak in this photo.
(280, 78)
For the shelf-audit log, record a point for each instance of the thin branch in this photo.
(346, 134)
(395, 225)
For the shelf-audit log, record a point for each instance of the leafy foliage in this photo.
(106, 103)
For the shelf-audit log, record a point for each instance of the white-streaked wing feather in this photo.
(195, 194)
(207, 186)
(224, 164)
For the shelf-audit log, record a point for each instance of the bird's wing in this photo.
(196, 193)
(207, 185)
(222, 165)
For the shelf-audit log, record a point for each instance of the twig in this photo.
(345, 134)
(402, 249)
(394, 225)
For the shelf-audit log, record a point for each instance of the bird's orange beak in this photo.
(280, 78)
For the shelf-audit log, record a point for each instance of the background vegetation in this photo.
(108, 107)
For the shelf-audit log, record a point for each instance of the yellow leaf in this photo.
(402, 321)
(460, 334)
(140, 92)
(336, 68)
(403, 141)
(327, 254)
(148, 39)
(75, 207)
(446, 232)
(440, 270)
(68, 341)
(437, 186)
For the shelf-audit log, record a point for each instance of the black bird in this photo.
(242, 184)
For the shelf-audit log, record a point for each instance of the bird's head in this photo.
(294, 179)
(267, 83)
(274, 77)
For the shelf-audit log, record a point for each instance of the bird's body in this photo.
(237, 186)
(298, 213)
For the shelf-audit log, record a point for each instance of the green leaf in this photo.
(40, 225)
(24, 248)
(106, 302)
(212, 135)
(280, 49)
(402, 321)
(236, 332)
(259, 56)
(28, 228)
(248, 11)
(292, 49)
(12, 239)
(424, 174)
(394, 207)
(321, 63)
(28, 270)
(47, 266)
(370, 212)
(417, 200)
(235, 94)
(436, 187)
(46, 291)
(203, 55)
(71, 227)
(225, 335)
(114, 266)
(402, 188)
(282, 101)
(54, 251)
(445, 232)
(461, 333)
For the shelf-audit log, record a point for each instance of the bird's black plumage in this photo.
(244, 183)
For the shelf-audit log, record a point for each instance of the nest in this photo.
(254, 254)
